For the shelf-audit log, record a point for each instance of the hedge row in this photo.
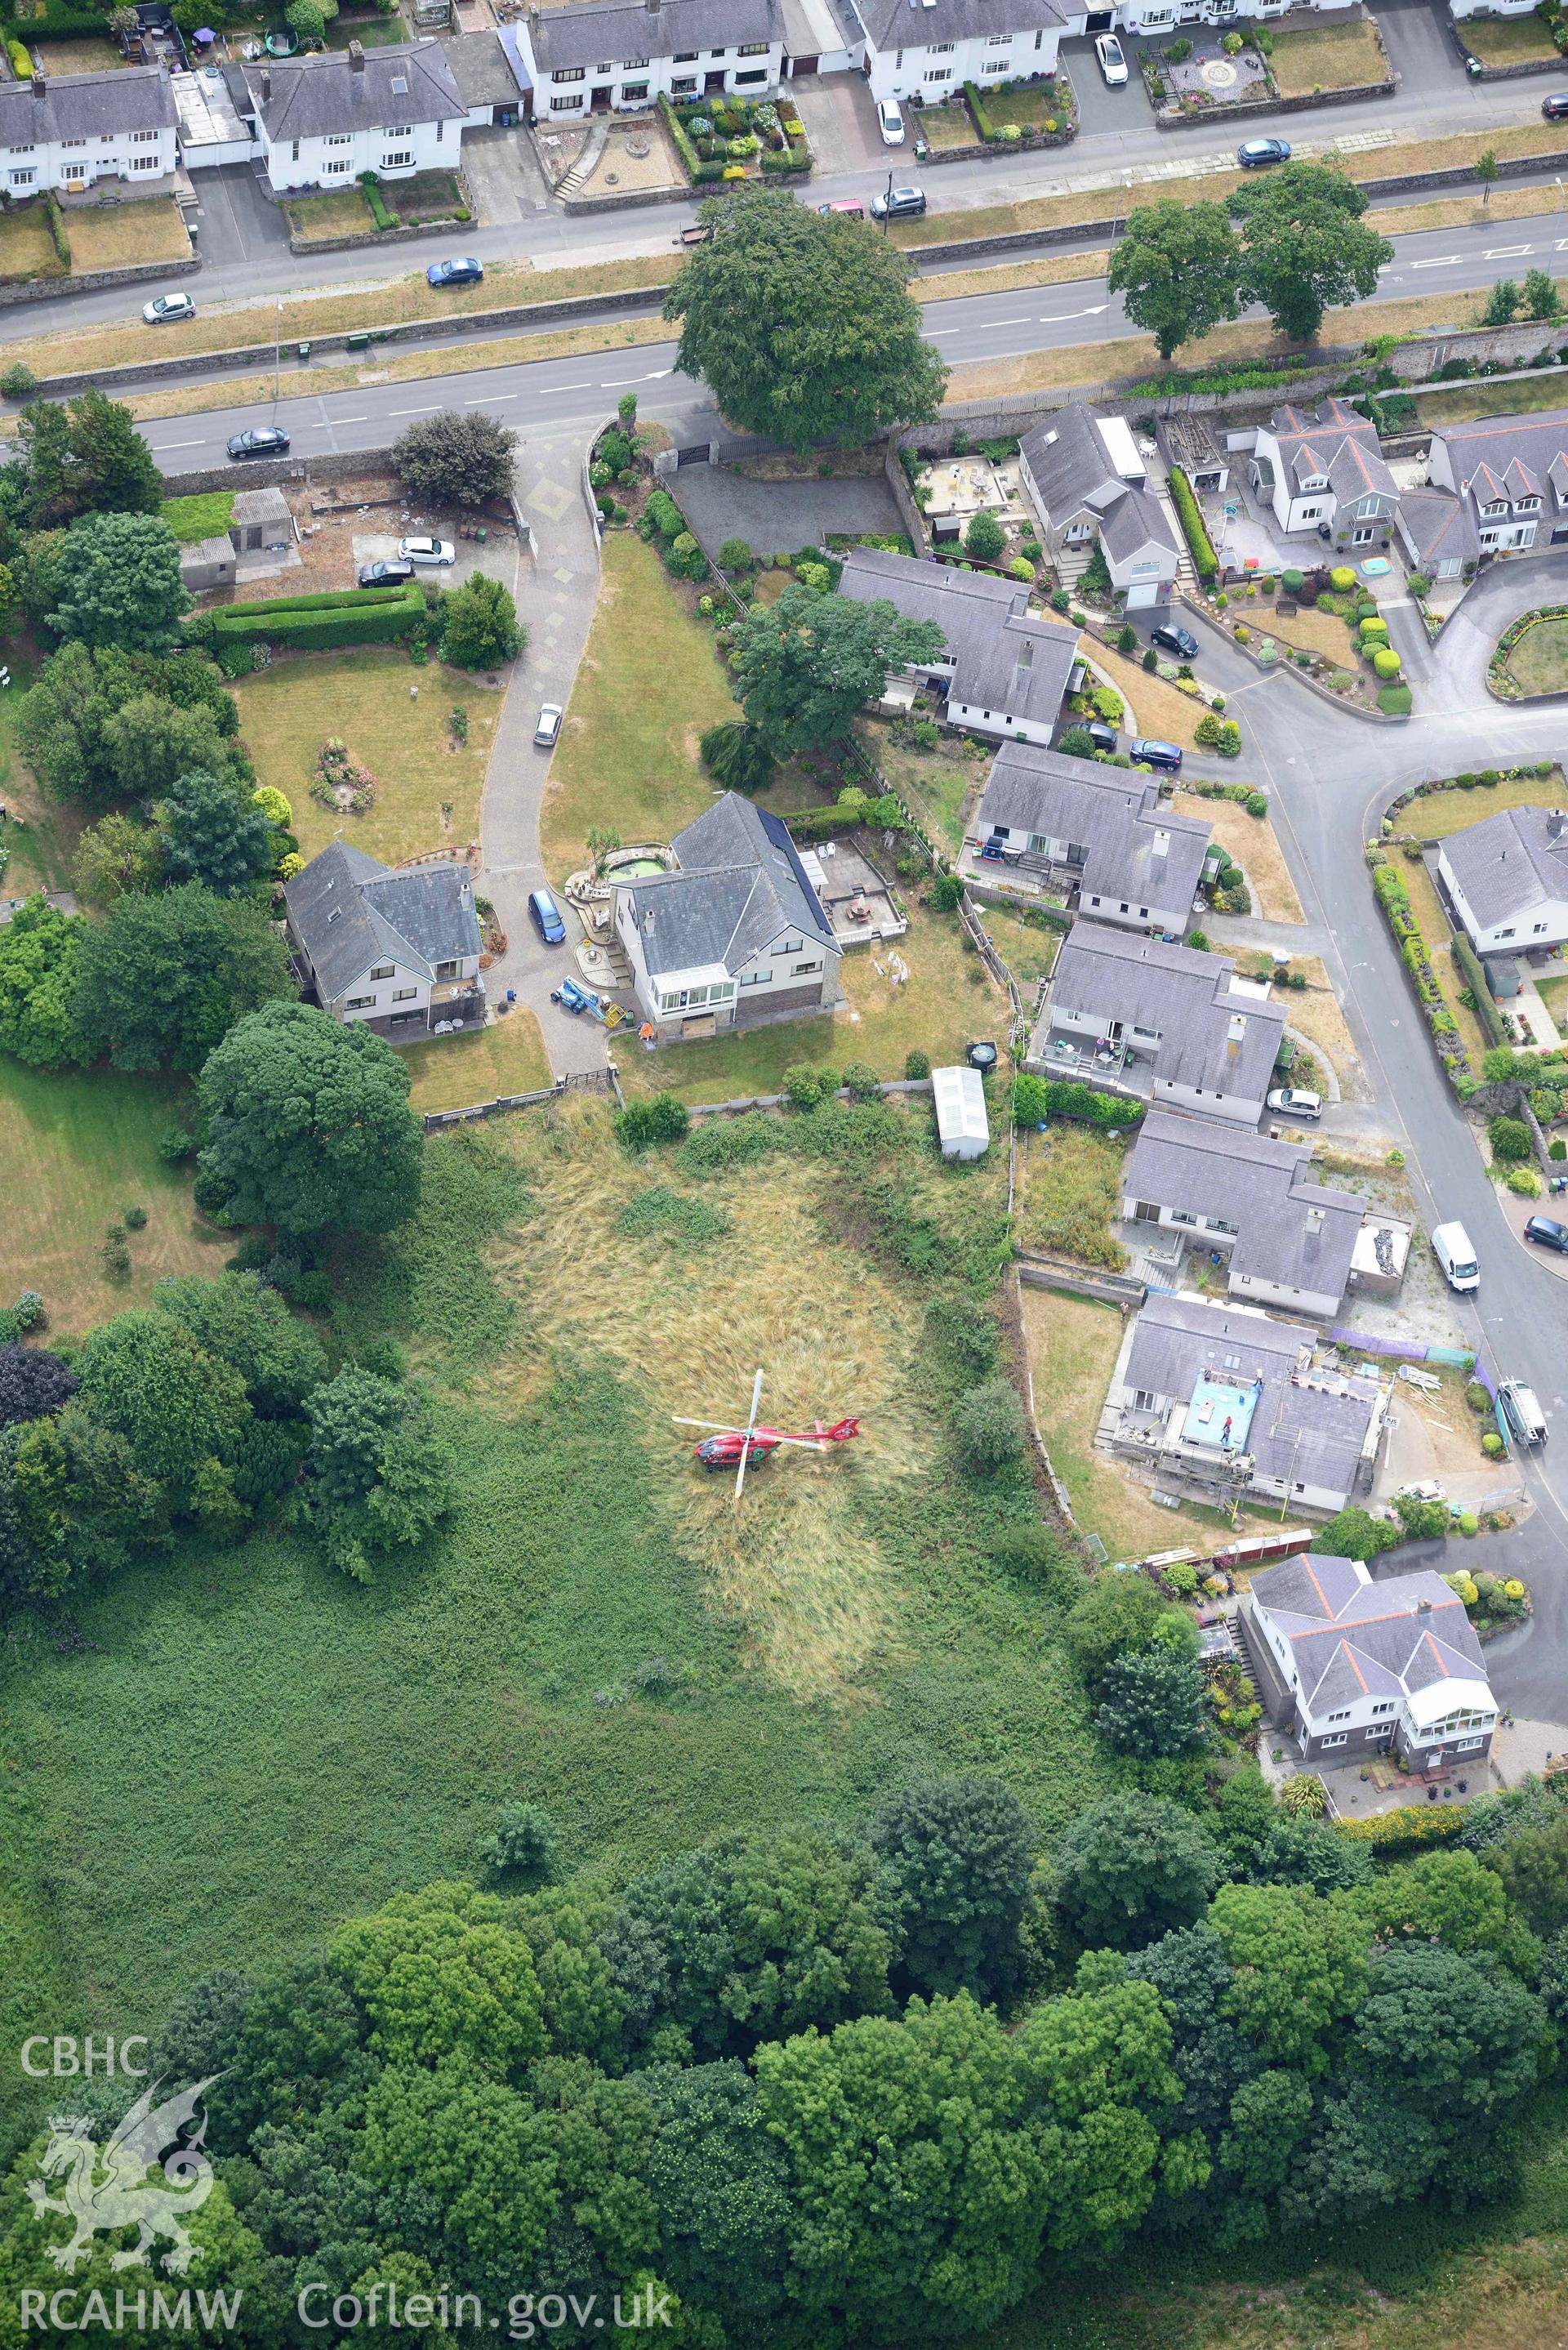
(332, 600)
(1395, 900)
(1487, 1013)
(1424, 1823)
(699, 173)
(316, 623)
(1035, 1100)
(1205, 562)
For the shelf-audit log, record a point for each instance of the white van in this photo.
(1522, 1415)
(1451, 1247)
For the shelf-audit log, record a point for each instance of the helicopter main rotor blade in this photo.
(724, 1426)
(750, 1430)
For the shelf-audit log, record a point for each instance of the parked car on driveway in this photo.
(385, 574)
(461, 269)
(1113, 64)
(164, 308)
(1294, 1101)
(1254, 154)
(1152, 754)
(900, 203)
(1172, 637)
(1547, 1233)
(1556, 108)
(546, 917)
(549, 727)
(426, 550)
(261, 441)
(1101, 736)
(890, 122)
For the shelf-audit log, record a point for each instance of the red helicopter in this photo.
(743, 1447)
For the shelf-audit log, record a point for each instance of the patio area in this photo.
(1370, 1790)
(854, 897)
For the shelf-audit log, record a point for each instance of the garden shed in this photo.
(963, 1127)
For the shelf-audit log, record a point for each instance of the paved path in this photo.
(558, 589)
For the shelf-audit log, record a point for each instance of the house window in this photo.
(446, 970)
(569, 73)
(1311, 513)
(1368, 506)
(755, 73)
(940, 73)
(565, 105)
(404, 994)
(804, 969)
(141, 138)
(397, 159)
(635, 65)
(1339, 1738)
(23, 150)
(402, 1019)
(723, 992)
(145, 163)
(1361, 535)
(23, 179)
(1527, 505)
(679, 87)
(340, 139)
(396, 130)
(294, 157)
(359, 1002)
(1384, 1705)
(73, 142)
(998, 64)
(1183, 1216)
(382, 970)
(756, 979)
(754, 48)
(685, 56)
(1538, 928)
(1144, 1400)
(792, 946)
(1507, 933)
(1469, 1745)
(1342, 1715)
(997, 40)
(634, 89)
(334, 171)
(941, 48)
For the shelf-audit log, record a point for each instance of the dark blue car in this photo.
(546, 917)
(464, 269)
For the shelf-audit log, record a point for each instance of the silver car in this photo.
(164, 308)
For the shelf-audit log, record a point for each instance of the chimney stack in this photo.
(267, 87)
(38, 84)
(356, 56)
(1555, 823)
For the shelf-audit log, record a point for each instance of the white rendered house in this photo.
(929, 48)
(70, 131)
(1507, 878)
(319, 122)
(621, 56)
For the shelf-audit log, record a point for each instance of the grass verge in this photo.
(1437, 814)
(1071, 1193)
(429, 785)
(1538, 661)
(1254, 845)
(1466, 402)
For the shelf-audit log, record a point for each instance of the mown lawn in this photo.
(1539, 660)
(947, 1001)
(1437, 814)
(343, 213)
(78, 1147)
(26, 248)
(451, 1072)
(1508, 40)
(1328, 56)
(429, 784)
(127, 235)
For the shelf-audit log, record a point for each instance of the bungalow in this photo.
(1089, 486)
(929, 52)
(1507, 878)
(1352, 1668)
(1228, 1402)
(1287, 1240)
(397, 949)
(1000, 670)
(734, 935)
(1102, 833)
(1510, 474)
(620, 55)
(1123, 1005)
(72, 131)
(1322, 471)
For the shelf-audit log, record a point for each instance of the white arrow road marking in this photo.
(1449, 261)
(619, 382)
(1093, 311)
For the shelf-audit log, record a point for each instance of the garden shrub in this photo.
(643, 1123)
(1205, 562)
(1341, 579)
(917, 1065)
(1509, 1140)
(1386, 662)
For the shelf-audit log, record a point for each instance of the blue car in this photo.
(463, 270)
(546, 917)
(1257, 154)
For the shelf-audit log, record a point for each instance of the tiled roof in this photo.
(1211, 1036)
(1136, 519)
(1353, 1637)
(86, 106)
(890, 25)
(1289, 1230)
(613, 32)
(1438, 525)
(1510, 862)
(1336, 441)
(739, 885)
(350, 912)
(1489, 447)
(1117, 818)
(1069, 463)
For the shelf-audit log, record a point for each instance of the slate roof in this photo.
(1133, 520)
(1336, 441)
(1354, 1637)
(739, 885)
(1069, 463)
(888, 21)
(1308, 1434)
(350, 912)
(1003, 660)
(1117, 818)
(86, 106)
(1528, 452)
(1289, 1230)
(1509, 863)
(1436, 524)
(315, 97)
(615, 31)
(1184, 994)
(481, 68)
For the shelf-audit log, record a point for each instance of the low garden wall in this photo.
(1479, 71)
(1499, 682)
(95, 281)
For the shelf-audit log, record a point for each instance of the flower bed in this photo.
(1175, 80)
(1028, 113)
(722, 141)
(1416, 955)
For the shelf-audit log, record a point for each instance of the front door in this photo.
(713, 85)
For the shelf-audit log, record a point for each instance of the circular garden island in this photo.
(1531, 656)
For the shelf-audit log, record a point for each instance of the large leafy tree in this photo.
(438, 1972)
(309, 1125)
(1211, 2059)
(163, 977)
(1178, 269)
(1298, 1969)
(85, 457)
(461, 457)
(176, 1405)
(214, 833)
(115, 858)
(737, 756)
(245, 1323)
(958, 1855)
(32, 1381)
(381, 1476)
(67, 727)
(802, 327)
(1533, 1866)
(917, 2180)
(805, 665)
(1131, 1868)
(1151, 1704)
(152, 741)
(1306, 250)
(1118, 1616)
(120, 583)
(721, 2188)
(38, 965)
(479, 625)
(751, 1938)
(1099, 2070)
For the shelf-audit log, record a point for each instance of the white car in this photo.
(163, 307)
(890, 122)
(426, 550)
(1291, 1101)
(1113, 64)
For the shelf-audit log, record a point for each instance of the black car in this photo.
(262, 440)
(1555, 106)
(385, 574)
(1147, 753)
(1102, 736)
(1173, 639)
(1547, 1234)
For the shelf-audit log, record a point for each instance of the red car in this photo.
(850, 204)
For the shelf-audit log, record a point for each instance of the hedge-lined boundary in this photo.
(1487, 1013)
(372, 616)
(1199, 546)
(1035, 1100)
(1417, 957)
(1429, 1824)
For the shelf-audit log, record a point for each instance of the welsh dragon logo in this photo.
(107, 2187)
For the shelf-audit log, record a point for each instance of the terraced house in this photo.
(620, 55)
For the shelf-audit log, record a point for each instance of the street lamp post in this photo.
(887, 215)
(277, 360)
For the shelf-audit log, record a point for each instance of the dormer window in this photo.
(1527, 505)
(1496, 507)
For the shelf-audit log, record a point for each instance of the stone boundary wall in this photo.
(98, 281)
(1478, 71)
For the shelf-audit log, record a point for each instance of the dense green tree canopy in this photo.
(164, 977)
(479, 625)
(214, 833)
(463, 457)
(805, 665)
(308, 1124)
(85, 456)
(148, 1380)
(1116, 1617)
(1151, 1704)
(1306, 249)
(119, 584)
(38, 966)
(1178, 268)
(1131, 1868)
(438, 1973)
(247, 1326)
(958, 1854)
(802, 327)
(1298, 1968)
(90, 734)
(380, 1474)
